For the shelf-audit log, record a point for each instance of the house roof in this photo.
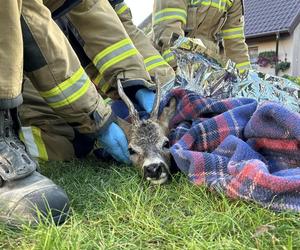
(266, 17)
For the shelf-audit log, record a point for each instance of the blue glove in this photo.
(114, 142)
(145, 98)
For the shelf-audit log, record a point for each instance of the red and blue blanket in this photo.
(237, 147)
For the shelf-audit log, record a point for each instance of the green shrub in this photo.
(295, 79)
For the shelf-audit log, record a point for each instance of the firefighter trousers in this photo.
(46, 134)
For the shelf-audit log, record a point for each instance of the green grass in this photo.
(114, 209)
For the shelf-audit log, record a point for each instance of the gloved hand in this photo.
(145, 98)
(114, 141)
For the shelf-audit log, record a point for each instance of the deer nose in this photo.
(153, 171)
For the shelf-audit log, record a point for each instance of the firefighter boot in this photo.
(25, 195)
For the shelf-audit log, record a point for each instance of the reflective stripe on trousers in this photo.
(31, 137)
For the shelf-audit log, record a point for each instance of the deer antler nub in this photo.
(132, 111)
(155, 108)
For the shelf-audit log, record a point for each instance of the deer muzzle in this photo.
(156, 172)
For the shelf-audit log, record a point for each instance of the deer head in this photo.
(148, 143)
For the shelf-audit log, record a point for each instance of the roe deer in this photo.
(148, 143)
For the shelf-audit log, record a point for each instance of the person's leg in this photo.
(46, 135)
(23, 191)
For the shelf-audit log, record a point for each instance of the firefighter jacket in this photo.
(210, 20)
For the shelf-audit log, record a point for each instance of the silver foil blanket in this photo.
(204, 72)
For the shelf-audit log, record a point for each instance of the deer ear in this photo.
(125, 126)
(166, 115)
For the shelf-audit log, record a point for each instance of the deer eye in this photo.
(166, 144)
(131, 151)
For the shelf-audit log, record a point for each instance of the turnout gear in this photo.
(154, 62)
(25, 195)
(107, 44)
(211, 21)
(56, 73)
(31, 200)
(14, 161)
(47, 135)
(112, 56)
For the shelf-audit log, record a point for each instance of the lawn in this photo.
(114, 209)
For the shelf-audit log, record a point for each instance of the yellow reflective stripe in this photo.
(169, 59)
(168, 51)
(64, 85)
(233, 37)
(114, 54)
(195, 2)
(105, 87)
(21, 136)
(155, 65)
(122, 9)
(68, 91)
(153, 62)
(175, 17)
(151, 58)
(40, 143)
(233, 30)
(32, 138)
(98, 79)
(233, 33)
(229, 3)
(221, 5)
(110, 49)
(101, 84)
(243, 65)
(72, 98)
(170, 13)
(166, 10)
(168, 55)
(117, 59)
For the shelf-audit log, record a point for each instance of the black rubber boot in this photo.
(25, 195)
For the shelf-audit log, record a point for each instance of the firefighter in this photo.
(30, 37)
(210, 20)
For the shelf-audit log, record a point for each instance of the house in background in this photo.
(270, 25)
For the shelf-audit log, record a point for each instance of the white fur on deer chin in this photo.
(160, 181)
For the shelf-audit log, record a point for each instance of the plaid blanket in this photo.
(238, 148)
